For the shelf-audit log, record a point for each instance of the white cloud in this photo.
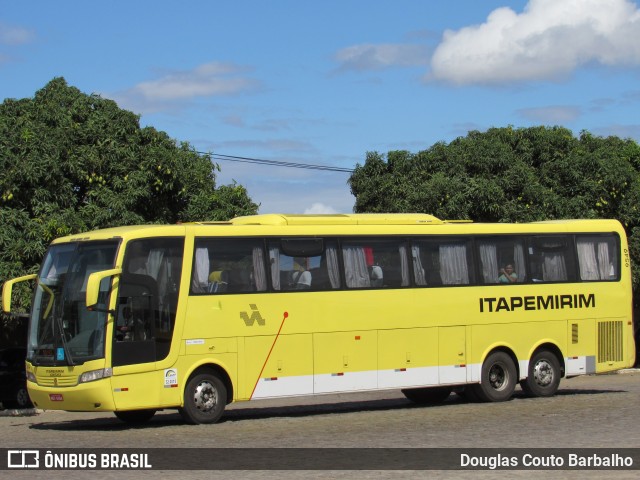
(554, 114)
(549, 40)
(320, 208)
(12, 35)
(377, 57)
(207, 80)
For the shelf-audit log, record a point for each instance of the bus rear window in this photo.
(598, 257)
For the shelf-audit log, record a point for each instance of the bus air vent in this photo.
(610, 341)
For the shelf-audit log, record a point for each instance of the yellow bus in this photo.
(195, 316)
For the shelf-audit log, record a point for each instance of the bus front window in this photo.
(62, 331)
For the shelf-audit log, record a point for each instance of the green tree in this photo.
(71, 162)
(507, 175)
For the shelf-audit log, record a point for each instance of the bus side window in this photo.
(502, 260)
(304, 263)
(598, 257)
(551, 258)
(225, 265)
(442, 261)
(376, 263)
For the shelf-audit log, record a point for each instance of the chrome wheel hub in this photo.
(543, 373)
(205, 397)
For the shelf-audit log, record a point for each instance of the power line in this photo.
(276, 163)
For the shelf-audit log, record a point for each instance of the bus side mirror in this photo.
(7, 288)
(93, 285)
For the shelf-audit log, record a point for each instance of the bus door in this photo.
(144, 319)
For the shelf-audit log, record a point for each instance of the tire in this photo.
(19, 399)
(498, 379)
(429, 395)
(135, 417)
(205, 398)
(22, 398)
(544, 375)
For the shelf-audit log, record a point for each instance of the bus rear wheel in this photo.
(544, 375)
(205, 398)
(427, 395)
(498, 379)
(135, 417)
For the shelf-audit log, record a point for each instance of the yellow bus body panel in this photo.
(307, 342)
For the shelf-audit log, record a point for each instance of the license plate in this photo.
(55, 397)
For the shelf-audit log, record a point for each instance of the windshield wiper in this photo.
(65, 347)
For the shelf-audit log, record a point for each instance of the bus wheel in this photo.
(498, 379)
(544, 375)
(19, 399)
(205, 397)
(22, 398)
(427, 395)
(135, 417)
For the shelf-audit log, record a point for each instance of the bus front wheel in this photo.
(498, 379)
(205, 398)
(544, 375)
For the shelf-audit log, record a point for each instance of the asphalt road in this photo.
(588, 412)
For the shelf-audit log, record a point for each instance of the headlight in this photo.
(95, 375)
(31, 377)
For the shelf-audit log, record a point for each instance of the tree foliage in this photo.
(71, 162)
(510, 175)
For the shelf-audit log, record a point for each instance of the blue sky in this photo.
(326, 82)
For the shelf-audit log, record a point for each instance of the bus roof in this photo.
(332, 223)
(339, 219)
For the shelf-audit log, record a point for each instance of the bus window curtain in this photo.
(418, 269)
(333, 266)
(554, 268)
(355, 266)
(157, 268)
(154, 261)
(489, 260)
(259, 275)
(593, 259)
(404, 266)
(274, 260)
(453, 265)
(201, 275)
(604, 261)
(519, 263)
(587, 260)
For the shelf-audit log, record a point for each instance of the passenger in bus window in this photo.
(301, 277)
(218, 281)
(376, 275)
(507, 275)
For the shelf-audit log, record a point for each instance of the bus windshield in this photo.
(62, 331)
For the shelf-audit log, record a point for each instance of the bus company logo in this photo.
(23, 459)
(255, 316)
(170, 378)
(537, 302)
